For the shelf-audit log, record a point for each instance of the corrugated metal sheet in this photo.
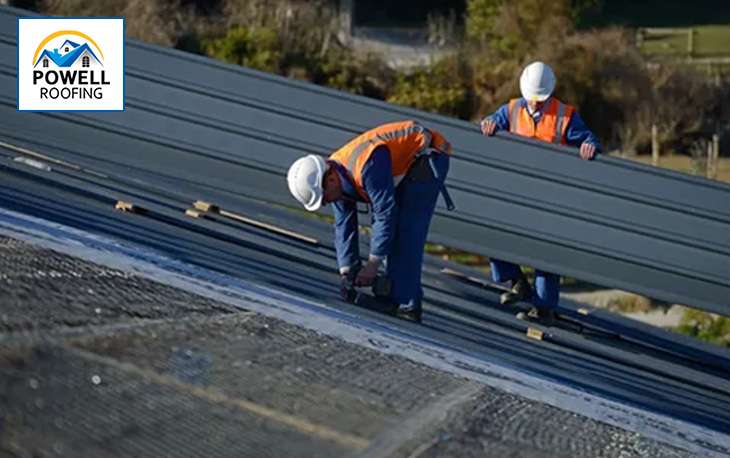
(607, 221)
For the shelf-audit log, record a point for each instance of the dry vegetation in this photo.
(157, 21)
(601, 71)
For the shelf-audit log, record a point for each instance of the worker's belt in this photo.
(424, 169)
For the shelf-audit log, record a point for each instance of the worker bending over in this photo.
(397, 168)
(540, 116)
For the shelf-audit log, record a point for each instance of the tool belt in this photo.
(424, 169)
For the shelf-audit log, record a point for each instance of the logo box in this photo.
(70, 64)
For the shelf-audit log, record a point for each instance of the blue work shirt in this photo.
(575, 134)
(377, 179)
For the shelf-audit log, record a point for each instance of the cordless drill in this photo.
(381, 286)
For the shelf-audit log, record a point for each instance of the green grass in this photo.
(705, 326)
(685, 164)
(709, 41)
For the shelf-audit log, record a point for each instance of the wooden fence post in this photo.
(639, 37)
(690, 41)
(654, 145)
(346, 12)
(716, 145)
(715, 155)
(712, 157)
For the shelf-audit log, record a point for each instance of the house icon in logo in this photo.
(69, 55)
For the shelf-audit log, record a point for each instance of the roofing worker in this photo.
(539, 116)
(397, 168)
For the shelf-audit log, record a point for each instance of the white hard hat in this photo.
(305, 180)
(537, 82)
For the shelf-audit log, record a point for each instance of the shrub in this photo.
(686, 105)
(481, 19)
(257, 48)
(706, 326)
(341, 69)
(512, 29)
(303, 28)
(606, 78)
(439, 88)
(154, 21)
(296, 39)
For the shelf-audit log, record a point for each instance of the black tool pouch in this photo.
(423, 170)
(420, 171)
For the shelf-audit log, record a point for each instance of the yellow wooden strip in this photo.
(453, 272)
(125, 206)
(533, 333)
(193, 213)
(583, 311)
(212, 208)
(205, 206)
(44, 157)
(269, 227)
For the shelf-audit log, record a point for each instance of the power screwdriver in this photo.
(381, 286)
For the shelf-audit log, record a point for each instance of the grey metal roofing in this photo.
(226, 135)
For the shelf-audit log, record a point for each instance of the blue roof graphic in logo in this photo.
(67, 58)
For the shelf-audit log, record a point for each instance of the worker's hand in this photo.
(489, 127)
(367, 274)
(347, 282)
(347, 290)
(587, 151)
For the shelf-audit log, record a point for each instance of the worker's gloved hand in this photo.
(347, 289)
(489, 127)
(347, 284)
(367, 274)
(587, 151)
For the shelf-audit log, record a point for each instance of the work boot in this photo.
(410, 312)
(542, 315)
(521, 291)
(376, 304)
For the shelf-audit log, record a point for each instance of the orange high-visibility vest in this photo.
(405, 140)
(552, 126)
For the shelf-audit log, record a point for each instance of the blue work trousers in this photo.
(547, 285)
(416, 200)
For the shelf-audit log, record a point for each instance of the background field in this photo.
(708, 41)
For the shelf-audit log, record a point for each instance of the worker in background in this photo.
(397, 168)
(540, 116)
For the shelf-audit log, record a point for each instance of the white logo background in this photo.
(108, 33)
